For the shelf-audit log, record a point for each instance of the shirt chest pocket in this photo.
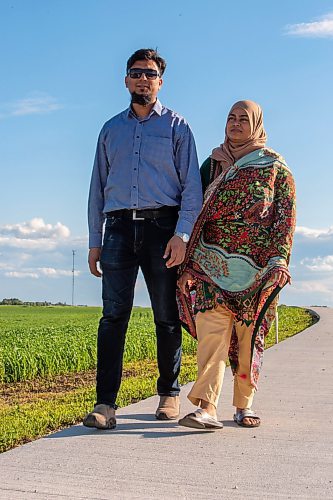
(156, 149)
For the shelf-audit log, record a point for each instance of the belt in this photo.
(146, 213)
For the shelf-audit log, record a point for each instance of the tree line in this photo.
(18, 302)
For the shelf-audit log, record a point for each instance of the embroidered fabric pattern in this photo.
(242, 238)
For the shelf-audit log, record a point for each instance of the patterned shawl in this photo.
(242, 237)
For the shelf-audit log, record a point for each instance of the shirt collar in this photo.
(157, 108)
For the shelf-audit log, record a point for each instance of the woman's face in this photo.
(238, 126)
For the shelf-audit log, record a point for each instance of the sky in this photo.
(62, 76)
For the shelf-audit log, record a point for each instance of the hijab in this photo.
(229, 152)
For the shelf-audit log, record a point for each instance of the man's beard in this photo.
(142, 99)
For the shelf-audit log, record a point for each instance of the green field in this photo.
(47, 341)
(48, 356)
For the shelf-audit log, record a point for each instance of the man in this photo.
(146, 183)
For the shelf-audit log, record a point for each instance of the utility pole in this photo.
(73, 275)
(276, 325)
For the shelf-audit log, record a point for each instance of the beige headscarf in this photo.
(229, 152)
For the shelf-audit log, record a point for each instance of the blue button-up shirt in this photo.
(144, 163)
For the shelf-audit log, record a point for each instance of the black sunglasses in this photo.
(136, 73)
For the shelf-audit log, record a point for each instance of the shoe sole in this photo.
(164, 416)
(249, 426)
(197, 424)
(92, 422)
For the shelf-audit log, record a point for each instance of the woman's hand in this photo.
(282, 277)
(185, 277)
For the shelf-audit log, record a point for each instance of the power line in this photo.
(73, 276)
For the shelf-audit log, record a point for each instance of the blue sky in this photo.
(63, 67)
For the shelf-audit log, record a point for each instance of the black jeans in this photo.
(128, 245)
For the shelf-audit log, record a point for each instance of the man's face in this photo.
(144, 86)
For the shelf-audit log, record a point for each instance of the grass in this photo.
(38, 416)
(48, 341)
(30, 409)
(292, 320)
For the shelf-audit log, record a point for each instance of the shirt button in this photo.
(134, 187)
(138, 137)
(136, 152)
(135, 169)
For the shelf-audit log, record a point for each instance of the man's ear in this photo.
(161, 83)
(126, 80)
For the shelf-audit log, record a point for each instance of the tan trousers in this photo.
(214, 328)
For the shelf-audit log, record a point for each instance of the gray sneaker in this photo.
(102, 417)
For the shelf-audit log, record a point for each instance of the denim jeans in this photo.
(128, 245)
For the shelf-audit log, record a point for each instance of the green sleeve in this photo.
(205, 174)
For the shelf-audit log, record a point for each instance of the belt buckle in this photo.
(135, 217)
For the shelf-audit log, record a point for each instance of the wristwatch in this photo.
(183, 236)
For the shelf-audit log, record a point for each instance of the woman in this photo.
(236, 264)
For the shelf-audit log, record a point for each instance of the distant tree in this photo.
(11, 302)
(18, 302)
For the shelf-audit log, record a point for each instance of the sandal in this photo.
(200, 419)
(246, 413)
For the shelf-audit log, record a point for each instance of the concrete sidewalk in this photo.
(289, 456)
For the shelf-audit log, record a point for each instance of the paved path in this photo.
(289, 456)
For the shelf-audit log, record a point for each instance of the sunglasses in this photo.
(136, 73)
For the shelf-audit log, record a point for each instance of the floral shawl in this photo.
(242, 237)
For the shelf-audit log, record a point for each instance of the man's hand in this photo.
(175, 250)
(185, 277)
(94, 257)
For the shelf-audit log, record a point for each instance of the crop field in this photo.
(48, 341)
(48, 359)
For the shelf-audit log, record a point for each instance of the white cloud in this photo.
(36, 249)
(34, 235)
(312, 287)
(21, 274)
(28, 244)
(36, 228)
(319, 263)
(322, 28)
(51, 272)
(40, 272)
(36, 262)
(314, 233)
(36, 104)
(23, 257)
